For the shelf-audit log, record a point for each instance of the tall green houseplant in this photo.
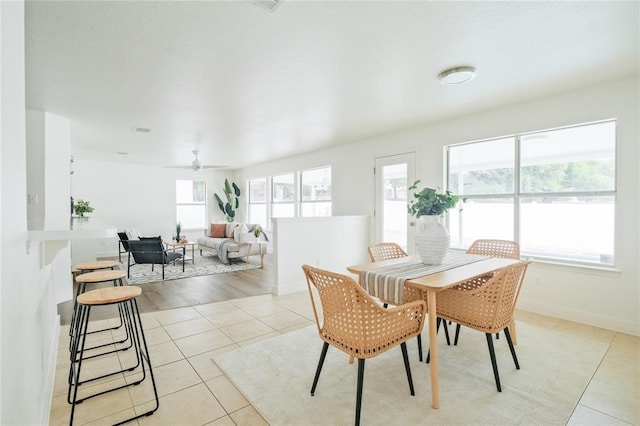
(232, 195)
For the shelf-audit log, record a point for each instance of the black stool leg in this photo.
(134, 323)
(419, 339)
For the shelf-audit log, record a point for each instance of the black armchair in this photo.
(123, 245)
(150, 250)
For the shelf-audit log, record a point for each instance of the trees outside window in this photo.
(553, 191)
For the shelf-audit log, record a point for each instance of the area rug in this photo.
(275, 375)
(202, 265)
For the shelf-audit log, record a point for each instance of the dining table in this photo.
(456, 268)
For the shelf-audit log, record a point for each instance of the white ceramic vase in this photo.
(432, 240)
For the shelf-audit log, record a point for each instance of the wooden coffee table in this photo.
(173, 246)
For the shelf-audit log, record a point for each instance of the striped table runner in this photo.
(387, 282)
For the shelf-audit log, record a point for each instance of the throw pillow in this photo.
(217, 230)
(231, 226)
(242, 229)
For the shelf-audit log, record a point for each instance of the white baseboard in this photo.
(589, 318)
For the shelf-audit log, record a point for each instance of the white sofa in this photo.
(233, 240)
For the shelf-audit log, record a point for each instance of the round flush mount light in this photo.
(457, 75)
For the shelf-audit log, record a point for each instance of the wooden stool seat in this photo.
(107, 295)
(101, 276)
(96, 264)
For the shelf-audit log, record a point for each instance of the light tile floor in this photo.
(194, 391)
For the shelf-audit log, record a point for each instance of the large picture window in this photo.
(191, 206)
(552, 191)
(283, 195)
(258, 201)
(315, 188)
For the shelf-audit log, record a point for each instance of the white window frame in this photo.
(302, 202)
(518, 195)
(194, 203)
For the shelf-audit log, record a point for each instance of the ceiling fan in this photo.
(196, 164)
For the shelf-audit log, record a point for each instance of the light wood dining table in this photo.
(433, 283)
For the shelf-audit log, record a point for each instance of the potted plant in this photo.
(431, 236)
(232, 194)
(81, 207)
(178, 230)
(257, 230)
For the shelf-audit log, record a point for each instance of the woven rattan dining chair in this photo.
(353, 322)
(384, 251)
(495, 248)
(486, 305)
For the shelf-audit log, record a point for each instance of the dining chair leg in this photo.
(455, 340)
(446, 332)
(359, 391)
(494, 363)
(419, 339)
(512, 330)
(407, 367)
(507, 334)
(323, 354)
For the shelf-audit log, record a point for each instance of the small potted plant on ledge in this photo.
(431, 236)
(82, 207)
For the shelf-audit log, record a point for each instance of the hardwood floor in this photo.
(193, 291)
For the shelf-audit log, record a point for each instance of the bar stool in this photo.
(125, 298)
(96, 277)
(95, 265)
(83, 268)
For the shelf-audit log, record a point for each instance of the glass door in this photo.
(393, 175)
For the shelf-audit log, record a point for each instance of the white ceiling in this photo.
(244, 85)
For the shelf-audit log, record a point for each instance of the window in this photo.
(191, 206)
(552, 191)
(258, 202)
(315, 188)
(283, 196)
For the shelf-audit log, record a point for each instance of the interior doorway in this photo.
(393, 175)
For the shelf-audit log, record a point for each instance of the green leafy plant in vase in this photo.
(431, 236)
(81, 207)
(232, 194)
(178, 230)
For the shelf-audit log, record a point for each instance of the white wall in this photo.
(609, 299)
(48, 188)
(331, 243)
(28, 320)
(135, 196)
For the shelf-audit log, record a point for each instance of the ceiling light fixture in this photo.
(457, 75)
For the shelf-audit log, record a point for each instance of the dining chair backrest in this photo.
(353, 321)
(383, 251)
(486, 303)
(496, 248)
